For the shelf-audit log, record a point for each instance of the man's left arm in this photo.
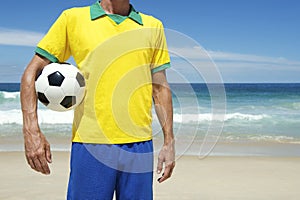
(164, 109)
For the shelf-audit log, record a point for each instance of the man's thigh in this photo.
(89, 178)
(135, 182)
(99, 169)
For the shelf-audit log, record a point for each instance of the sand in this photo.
(211, 178)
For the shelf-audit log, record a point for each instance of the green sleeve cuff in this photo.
(162, 67)
(46, 54)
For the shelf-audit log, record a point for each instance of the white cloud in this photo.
(19, 37)
(226, 56)
(194, 63)
(197, 53)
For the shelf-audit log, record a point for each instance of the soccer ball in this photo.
(60, 87)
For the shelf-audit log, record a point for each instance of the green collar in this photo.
(97, 11)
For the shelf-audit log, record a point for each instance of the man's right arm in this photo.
(37, 148)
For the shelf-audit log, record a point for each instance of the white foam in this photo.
(296, 105)
(51, 117)
(45, 116)
(10, 117)
(188, 118)
(10, 95)
(248, 117)
(274, 138)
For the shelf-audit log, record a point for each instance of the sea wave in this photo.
(295, 106)
(282, 139)
(8, 96)
(51, 117)
(275, 138)
(188, 118)
(45, 116)
(288, 106)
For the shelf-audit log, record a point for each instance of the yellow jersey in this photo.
(116, 55)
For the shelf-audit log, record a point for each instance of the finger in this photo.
(165, 176)
(37, 164)
(159, 165)
(44, 165)
(44, 168)
(48, 154)
(30, 162)
(167, 173)
(172, 168)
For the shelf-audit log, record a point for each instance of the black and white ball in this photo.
(60, 87)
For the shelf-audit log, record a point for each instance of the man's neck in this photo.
(120, 7)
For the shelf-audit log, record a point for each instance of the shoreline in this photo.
(183, 148)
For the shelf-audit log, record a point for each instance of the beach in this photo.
(250, 152)
(214, 177)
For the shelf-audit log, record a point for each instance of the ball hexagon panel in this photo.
(54, 94)
(70, 87)
(52, 67)
(80, 95)
(69, 71)
(56, 107)
(41, 83)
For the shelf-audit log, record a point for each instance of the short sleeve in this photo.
(161, 58)
(55, 46)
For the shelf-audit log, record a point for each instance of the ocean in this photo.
(259, 120)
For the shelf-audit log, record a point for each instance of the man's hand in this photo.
(37, 151)
(167, 157)
(37, 148)
(163, 106)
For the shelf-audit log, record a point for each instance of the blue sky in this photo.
(249, 41)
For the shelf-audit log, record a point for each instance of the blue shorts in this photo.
(99, 170)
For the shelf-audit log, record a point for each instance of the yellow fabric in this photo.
(116, 61)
